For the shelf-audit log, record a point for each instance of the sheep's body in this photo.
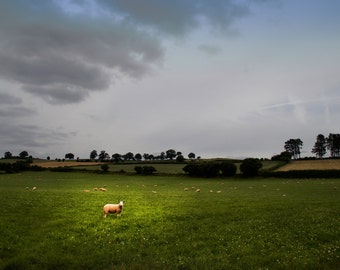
(113, 208)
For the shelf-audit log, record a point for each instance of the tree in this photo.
(333, 144)
(138, 156)
(180, 158)
(23, 154)
(129, 156)
(293, 146)
(69, 156)
(117, 157)
(250, 167)
(171, 154)
(191, 156)
(320, 146)
(284, 156)
(93, 154)
(8, 154)
(103, 155)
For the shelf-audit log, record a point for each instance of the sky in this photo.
(219, 78)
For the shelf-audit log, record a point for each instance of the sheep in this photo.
(113, 208)
(34, 188)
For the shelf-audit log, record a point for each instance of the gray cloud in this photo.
(16, 111)
(9, 99)
(178, 17)
(62, 58)
(61, 52)
(20, 136)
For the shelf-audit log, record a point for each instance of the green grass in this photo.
(250, 224)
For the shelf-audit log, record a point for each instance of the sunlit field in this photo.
(166, 224)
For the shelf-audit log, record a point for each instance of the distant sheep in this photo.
(34, 188)
(113, 208)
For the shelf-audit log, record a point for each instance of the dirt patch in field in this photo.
(55, 164)
(324, 164)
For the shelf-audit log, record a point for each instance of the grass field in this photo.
(322, 164)
(230, 224)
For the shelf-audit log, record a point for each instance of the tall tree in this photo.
(333, 144)
(320, 146)
(293, 146)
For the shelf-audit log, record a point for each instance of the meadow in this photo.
(230, 224)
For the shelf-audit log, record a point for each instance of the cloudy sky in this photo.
(220, 78)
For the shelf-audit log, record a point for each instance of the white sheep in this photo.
(113, 208)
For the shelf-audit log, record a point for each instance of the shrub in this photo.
(250, 167)
(104, 167)
(211, 169)
(145, 170)
(228, 169)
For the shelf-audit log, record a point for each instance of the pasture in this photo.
(229, 224)
(318, 164)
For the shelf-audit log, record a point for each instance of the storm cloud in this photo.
(56, 51)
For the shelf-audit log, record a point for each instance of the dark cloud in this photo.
(62, 58)
(61, 51)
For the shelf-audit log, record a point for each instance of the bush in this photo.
(228, 169)
(147, 170)
(250, 167)
(211, 169)
(104, 167)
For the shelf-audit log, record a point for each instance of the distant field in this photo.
(165, 168)
(324, 164)
(230, 224)
(55, 164)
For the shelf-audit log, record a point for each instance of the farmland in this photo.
(322, 164)
(229, 224)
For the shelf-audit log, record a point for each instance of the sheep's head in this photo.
(121, 203)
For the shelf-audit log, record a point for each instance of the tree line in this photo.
(322, 144)
(292, 149)
(170, 154)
